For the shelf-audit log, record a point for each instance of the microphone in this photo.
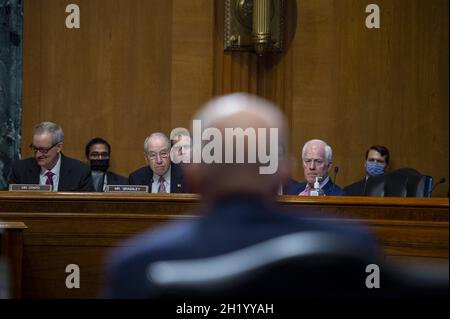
(441, 181)
(336, 170)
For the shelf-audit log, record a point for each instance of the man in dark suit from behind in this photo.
(238, 208)
(160, 175)
(376, 163)
(98, 153)
(49, 166)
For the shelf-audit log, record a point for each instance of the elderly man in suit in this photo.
(237, 208)
(317, 158)
(49, 166)
(161, 175)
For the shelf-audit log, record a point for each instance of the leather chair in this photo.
(403, 182)
(298, 265)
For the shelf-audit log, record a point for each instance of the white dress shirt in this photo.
(155, 184)
(55, 170)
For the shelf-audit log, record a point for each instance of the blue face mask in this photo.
(374, 168)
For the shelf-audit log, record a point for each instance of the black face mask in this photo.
(100, 165)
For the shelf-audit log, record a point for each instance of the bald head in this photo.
(231, 106)
(252, 136)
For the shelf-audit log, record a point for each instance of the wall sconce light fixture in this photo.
(254, 25)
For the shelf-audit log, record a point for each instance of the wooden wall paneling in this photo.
(218, 34)
(149, 66)
(192, 59)
(355, 87)
(130, 70)
(238, 72)
(104, 79)
(234, 71)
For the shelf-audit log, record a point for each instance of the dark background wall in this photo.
(140, 66)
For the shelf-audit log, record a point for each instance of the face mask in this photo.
(100, 165)
(374, 168)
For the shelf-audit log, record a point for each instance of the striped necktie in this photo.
(162, 186)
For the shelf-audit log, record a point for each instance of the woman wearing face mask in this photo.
(98, 152)
(376, 164)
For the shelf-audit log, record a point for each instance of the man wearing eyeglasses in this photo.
(49, 166)
(98, 152)
(160, 175)
(317, 157)
(376, 163)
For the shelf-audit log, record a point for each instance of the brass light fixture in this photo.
(254, 25)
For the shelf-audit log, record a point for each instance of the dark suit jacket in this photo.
(144, 176)
(115, 179)
(291, 187)
(75, 176)
(230, 224)
(356, 189)
(329, 188)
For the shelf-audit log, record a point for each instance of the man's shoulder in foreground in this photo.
(230, 226)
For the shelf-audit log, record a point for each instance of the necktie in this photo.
(162, 186)
(306, 191)
(49, 180)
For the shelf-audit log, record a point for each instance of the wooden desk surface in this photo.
(79, 228)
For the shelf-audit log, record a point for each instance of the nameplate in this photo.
(30, 188)
(126, 189)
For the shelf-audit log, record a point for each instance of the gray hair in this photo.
(328, 150)
(52, 128)
(156, 135)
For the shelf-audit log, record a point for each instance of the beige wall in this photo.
(138, 66)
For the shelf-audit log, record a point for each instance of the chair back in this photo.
(298, 265)
(403, 182)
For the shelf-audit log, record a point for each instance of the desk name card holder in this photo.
(30, 188)
(126, 189)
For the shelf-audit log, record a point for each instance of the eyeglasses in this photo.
(153, 156)
(99, 154)
(43, 150)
